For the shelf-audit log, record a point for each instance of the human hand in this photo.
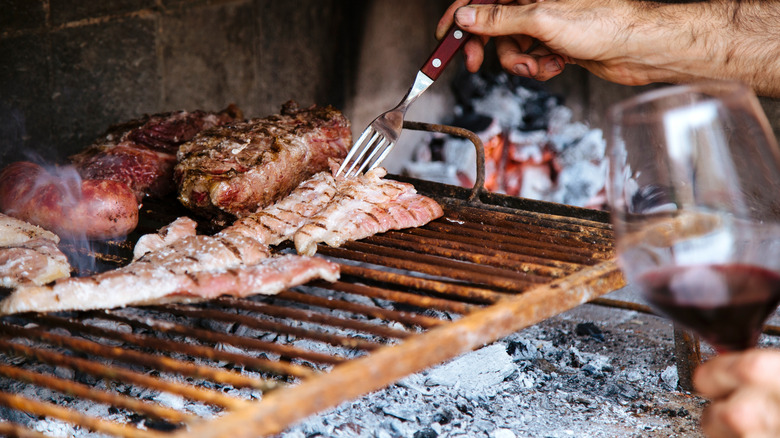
(745, 392)
(624, 41)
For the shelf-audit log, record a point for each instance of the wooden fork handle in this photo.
(448, 47)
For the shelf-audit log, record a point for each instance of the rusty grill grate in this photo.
(406, 300)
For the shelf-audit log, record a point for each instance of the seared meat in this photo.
(15, 231)
(240, 169)
(34, 262)
(178, 229)
(364, 206)
(278, 222)
(29, 254)
(324, 209)
(100, 198)
(141, 153)
(149, 283)
(183, 267)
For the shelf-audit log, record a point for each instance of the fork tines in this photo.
(372, 142)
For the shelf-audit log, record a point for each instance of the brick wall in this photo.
(70, 68)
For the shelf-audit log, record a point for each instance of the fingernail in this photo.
(552, 64)
(466, 16)
(521, 70)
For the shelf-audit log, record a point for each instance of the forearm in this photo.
(634, 42)
(730, 40)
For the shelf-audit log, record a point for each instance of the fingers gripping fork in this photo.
(378, 139)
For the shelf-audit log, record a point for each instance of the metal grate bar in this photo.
(158, 344)
(161, 363)
(18, 431)
(580, 241)
(463, 270)
(452, 269)
(275, 327)
(406, 318)
(88, 392)
(456, 209)
(308, 316)
(461, 291)
(214, 337)
(421, 301)
(119, 374)
(51, 410)
(473, 250)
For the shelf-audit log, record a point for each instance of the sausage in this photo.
(68, 206)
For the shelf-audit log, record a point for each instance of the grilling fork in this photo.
(378, 139)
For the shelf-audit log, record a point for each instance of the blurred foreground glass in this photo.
(694, 191)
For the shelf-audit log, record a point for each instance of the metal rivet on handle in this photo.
(458, 34)
(436, 62)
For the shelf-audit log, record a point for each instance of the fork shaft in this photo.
(448, 47)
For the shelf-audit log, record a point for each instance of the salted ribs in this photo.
(331, 210)
(229, 172)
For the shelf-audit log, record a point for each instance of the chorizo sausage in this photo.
(68, 206)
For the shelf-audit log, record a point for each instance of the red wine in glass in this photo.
(725, 304)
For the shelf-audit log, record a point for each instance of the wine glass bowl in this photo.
(694, 192)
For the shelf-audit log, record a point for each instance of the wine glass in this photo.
(694, 192)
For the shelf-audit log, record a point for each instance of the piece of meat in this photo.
(278, 222)
(143, 283)
(36, 262)
(206, 253)
(15, 231)
(178, 229)
(364, 206)
(238, 170)
(66, 205)
(145, 171)
(29, 254)
(322, 209)
(142, 153)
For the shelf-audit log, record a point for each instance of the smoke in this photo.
(79, 249)
(44, 198)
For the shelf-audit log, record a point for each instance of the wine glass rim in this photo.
(725, 88)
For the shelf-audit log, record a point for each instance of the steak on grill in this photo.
(227, 172)
(141, 153)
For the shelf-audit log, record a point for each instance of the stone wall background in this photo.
(69, 69)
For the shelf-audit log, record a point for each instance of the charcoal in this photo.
(400, 413)
(425, 433)
(474, 122)
(590, 330)
(443, 417)
(522, 350)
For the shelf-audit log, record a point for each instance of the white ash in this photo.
(475, 375)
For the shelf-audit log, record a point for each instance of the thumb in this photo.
(495, 20)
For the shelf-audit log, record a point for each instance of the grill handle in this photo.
(479, 184)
